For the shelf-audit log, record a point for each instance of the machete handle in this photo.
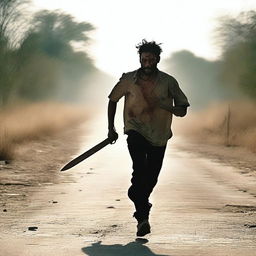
(114, 139)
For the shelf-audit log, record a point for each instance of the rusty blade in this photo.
(86, 154)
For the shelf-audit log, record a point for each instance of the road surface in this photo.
(200, 207)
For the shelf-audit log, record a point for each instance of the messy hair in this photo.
(146, 46)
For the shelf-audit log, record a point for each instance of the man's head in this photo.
(149, 56)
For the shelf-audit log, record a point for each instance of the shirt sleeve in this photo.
(179, 97)
(119, 90)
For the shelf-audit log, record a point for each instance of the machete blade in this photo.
(86, 154)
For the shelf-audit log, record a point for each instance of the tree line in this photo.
(232, 75)
(38, 59)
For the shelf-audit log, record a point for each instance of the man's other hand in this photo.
(112, 135)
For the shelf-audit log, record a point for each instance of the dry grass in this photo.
(25, 122)
(211, 125)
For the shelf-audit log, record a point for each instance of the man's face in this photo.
(148, 62)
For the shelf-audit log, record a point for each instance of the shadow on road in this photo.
(131, 249)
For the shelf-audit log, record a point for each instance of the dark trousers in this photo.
(147, 162)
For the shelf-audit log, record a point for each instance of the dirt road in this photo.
(200, 207)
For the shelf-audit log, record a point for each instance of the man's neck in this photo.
(146, 77)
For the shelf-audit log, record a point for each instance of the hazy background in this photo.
(61, 49)
(74, 52)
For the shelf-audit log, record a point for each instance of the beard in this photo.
(148, 71)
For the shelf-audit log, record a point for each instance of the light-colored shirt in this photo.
(141, 110)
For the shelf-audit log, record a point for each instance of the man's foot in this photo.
(143, 228)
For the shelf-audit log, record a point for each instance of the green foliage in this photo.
(238, 36)
(53, 33)
(232, 76)
(44, 65)
(50, 67)
(13, 20)
(7, 69)
(10, 16)
(199, 78)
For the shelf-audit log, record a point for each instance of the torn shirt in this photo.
(141, 110)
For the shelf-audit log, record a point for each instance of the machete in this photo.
(86, 154)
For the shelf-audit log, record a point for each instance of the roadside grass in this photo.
(22, 122)
(228, 123)
(6, 148)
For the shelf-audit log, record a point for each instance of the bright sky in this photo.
(121, 24)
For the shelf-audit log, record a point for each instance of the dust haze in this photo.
(47, 87)
(46, 84)
(44, 63)
(40, 63)
(221, 92)
(230, 123)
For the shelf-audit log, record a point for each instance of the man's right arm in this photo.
(112, 134)
(117, 93)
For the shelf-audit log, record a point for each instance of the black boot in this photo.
(143, 226)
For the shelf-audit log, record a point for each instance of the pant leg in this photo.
(137, 146)
(155, 156)
(147, 162)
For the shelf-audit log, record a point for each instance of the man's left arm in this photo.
(180, 101)
(176, 110)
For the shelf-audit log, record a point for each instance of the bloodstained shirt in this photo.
(141, 110)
